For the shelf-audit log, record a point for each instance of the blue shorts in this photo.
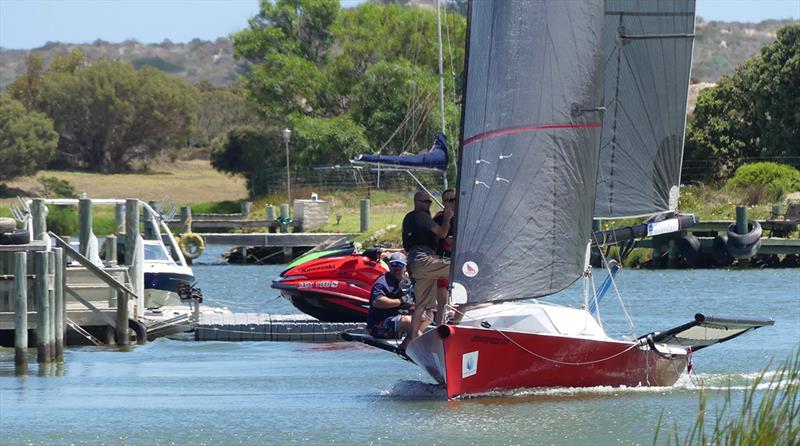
(386, 329)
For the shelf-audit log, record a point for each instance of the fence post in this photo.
(364, 214)
(42, 308)
(60, 308)
(39, 211)
(20, 308)
(84, 223)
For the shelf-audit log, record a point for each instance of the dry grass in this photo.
(183, 182)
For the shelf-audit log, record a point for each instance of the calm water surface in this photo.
(185, 392)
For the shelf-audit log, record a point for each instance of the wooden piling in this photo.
(39, 211)
(119, 218)
(60, 308)
(111, 250)
(186, 219)
(42, 308)
(271, 217)
(84, 223)
(364, 205)
(285, 217)
(51, 299)
(131, 228)
(741, 220)
(20, 308)
(121, 334)
(246, 206)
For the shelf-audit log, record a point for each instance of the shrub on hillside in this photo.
(771, 180)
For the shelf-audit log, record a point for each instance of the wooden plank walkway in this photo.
(237, 327)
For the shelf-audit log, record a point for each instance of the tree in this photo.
(109, 115)
(219, 110)
(755, 113)
(27, 139)
(394, 102)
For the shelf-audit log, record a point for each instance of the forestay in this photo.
(528, 160)
(648, 45)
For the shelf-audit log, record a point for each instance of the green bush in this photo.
(775, 179)
(54, 187)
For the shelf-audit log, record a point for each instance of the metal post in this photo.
(441, 70)
(39, 211)
(270, 212)
(20, 308)
(364, 204)
(741, 220)
(42, 307)
(776, 212)
(60, 308)
(84, 223)
(286, 135)
(284, 217)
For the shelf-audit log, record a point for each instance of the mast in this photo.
(441, 75)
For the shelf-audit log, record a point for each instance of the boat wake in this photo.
(414, 390)
(411, 389)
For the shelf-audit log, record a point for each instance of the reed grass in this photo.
(766, 417)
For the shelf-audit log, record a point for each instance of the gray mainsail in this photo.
(531, 135)
(648, 45)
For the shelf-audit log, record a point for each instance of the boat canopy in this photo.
(648, 58)
(528, 159)
(437, 158)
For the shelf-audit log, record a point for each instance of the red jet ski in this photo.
(334, 284)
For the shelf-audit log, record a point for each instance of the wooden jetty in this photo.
(270, 327)
(704, 244)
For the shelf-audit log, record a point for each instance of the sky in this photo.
(26, 24)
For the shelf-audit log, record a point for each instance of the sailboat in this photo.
(561, 98)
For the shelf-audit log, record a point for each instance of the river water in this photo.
(184, 392)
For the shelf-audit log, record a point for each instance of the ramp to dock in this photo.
(270, 327)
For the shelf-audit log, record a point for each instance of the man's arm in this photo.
(381, 300)
(444, 228)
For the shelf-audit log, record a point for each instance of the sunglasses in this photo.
(397, 264)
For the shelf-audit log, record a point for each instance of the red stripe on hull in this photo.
(500, 364)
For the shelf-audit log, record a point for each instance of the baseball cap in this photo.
(397, 257)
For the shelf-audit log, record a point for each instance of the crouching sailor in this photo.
(387, 300)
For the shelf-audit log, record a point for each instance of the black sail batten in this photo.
(648, 46)
(530, 142)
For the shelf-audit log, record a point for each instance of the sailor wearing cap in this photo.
(388, 299)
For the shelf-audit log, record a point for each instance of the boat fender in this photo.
(7, 224)
(17, 237)
(689, 248)
(742, 240)
(192, 245)
(719, 250)
(140, 329)
(743, 252)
